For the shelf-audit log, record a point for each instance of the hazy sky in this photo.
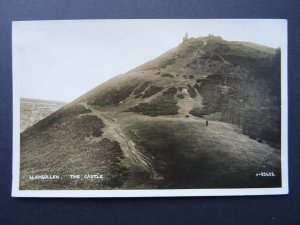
(61, 60)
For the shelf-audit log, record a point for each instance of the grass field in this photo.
(189, 154)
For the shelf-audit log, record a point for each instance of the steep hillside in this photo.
(147, 128)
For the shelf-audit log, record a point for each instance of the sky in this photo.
(63, 59)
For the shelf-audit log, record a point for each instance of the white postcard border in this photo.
(16, 192)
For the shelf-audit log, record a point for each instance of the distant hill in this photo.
(33, 110)
(147, 128)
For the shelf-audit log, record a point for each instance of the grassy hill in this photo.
(147, 128)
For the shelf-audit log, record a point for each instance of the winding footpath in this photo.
(127, 145)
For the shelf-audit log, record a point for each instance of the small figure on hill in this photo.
(206, 123)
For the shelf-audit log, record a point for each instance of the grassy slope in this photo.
(188, 154)
(71, 145)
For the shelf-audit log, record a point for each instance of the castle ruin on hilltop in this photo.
(213, 37)
(208, 37)
(186, 37)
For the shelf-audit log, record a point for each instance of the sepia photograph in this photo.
(149, 108)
